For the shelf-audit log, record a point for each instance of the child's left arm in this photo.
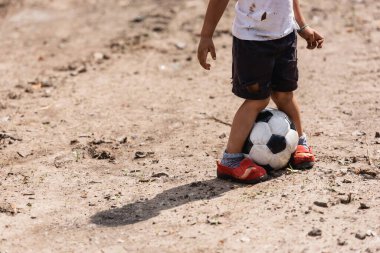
(313, 38)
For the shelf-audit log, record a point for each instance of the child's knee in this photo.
(282, 97)
(257, 105)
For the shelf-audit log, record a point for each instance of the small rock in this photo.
(377, 135)
(180, 45)
(13, 95)
(346, 181)
(213, 221)
(341, 242)
(343, 171)
(346, 200)
(100, 154)
(140, 154)
(315, 232)
(371, 233)
(360, 235)
(321, 203)
(363, 206)
(138, 19)
(222, 136)
(122, 140)
(73, 142)
(160, 174)
(100, 57)
(158, 29)
(97, 142)
(29, 90)
(83, 195)
(358, 133)
(9, 209)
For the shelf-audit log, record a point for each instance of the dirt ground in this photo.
(110, 129)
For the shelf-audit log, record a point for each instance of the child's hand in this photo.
(313, 38)
(205, 46)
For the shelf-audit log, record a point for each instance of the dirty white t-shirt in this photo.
(263, 19)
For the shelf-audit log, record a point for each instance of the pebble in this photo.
(346, 200)
(138, 19)
(360, 235)
(341, 242)
(13, 95)
(363, 206)
(160, 174)
(180, 45)
(358, 133)
(315, 232)
(371, 233)
(222, 136)
(122, 140)
(321, 203)
(346, 181)
(100, 57)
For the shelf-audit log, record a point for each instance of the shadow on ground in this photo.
(174, 197)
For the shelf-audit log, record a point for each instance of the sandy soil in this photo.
(109, 132)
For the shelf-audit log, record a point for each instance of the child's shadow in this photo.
(174, 197)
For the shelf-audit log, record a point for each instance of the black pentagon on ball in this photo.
(264, 116)
(276, 143)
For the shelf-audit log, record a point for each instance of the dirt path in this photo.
(108, 137)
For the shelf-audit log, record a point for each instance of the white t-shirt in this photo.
(263, 19)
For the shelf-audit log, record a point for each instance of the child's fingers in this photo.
(202, 56)
(213, 53)
(319, 38)
(320, 43)
(310, 44)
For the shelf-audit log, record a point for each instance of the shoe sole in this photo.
(254, 181)
(303, 166)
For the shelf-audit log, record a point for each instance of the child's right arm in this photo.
(214, 12)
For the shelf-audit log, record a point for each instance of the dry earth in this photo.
(109, 132)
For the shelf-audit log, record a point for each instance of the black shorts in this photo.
(260, 67)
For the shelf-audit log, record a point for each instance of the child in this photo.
(264, 66)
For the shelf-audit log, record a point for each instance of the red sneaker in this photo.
(303, 158)
(248, 172)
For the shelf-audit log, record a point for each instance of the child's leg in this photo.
(303, 157)
(234, 165)
(243, 122)
(286, 102)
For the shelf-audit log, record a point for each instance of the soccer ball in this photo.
(272, 140)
